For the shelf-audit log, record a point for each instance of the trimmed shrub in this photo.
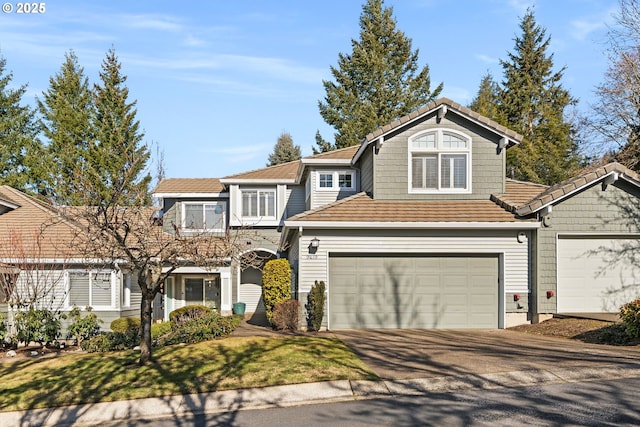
(204, 328)
(126, 324)
(41, 326)
(276, 284)
(188, 312)
(111, 341)
(286, 315)
(83, 328)
(630, 315)
(159, 329)
(315, 306)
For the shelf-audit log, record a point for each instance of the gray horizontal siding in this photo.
(391, 179)
(591, 211)
(314, 267)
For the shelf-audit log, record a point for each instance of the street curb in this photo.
(301, 394)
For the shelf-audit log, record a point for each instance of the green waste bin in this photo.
(239, 307)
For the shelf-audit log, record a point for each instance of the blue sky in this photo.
(218, 81)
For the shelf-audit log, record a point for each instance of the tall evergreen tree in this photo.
(322, 144)
(284, 150)
(533, 102)
(378, 82)
(117, 157)
(486, 100)
(66, 121)
(20, 149)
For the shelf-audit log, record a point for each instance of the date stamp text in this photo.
(24, 8)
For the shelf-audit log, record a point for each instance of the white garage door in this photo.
(413, 291)
(595, 275)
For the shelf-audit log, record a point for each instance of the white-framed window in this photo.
(259, 203)
(204, 216)
(91, 288)
(440, 162)
(336, 180)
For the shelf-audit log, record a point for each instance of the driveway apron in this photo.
(418, 353)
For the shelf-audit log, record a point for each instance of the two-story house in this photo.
(418, 227)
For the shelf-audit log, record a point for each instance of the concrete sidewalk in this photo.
(301, 394)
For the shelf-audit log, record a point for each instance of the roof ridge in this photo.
(261, 169)
(435, 104)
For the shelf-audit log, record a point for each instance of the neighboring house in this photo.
(37, 254)
(419, 228)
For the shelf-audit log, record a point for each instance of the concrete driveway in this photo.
(410, 354)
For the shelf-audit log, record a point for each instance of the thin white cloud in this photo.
(582, 28)
(150, 22)
(242, 153)
(486, 58)
(192, 41)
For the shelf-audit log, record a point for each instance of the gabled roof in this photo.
(361, 210)
(445, 105)
(284, 172)
(29, 219)
(608, 173)
(188, 186)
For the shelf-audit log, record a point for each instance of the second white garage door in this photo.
(595, 274)
(413, 291)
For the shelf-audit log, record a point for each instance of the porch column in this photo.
(225, 291)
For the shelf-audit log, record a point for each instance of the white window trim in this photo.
(439, 151)
(92, 273)
(203, 203)
(258, 191)
(335, 180)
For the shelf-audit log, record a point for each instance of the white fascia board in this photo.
(412, 225)
(196, 270)
(582, 187)
(8, 205)
(258, 181)
(188, 195)
(408, 122)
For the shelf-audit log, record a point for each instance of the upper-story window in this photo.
(336, 180)
(204, 216)
(440, 162)
(259, 203)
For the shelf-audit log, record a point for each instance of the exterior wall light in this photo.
(315, 243)
(516, 297)
(550, 294)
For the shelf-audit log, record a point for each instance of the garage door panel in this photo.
(593, 275)
(413, 292)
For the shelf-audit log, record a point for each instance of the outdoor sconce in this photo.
(550, 294)
(516, 297)
(315, 243)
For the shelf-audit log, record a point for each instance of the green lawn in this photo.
(225, 364)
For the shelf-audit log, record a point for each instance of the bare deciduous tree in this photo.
(30, 277)
(616, 119)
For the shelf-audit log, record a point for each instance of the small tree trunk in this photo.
(145, 328)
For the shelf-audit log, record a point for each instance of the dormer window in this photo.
(204, 216)
(336, 180)
(440, 162)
